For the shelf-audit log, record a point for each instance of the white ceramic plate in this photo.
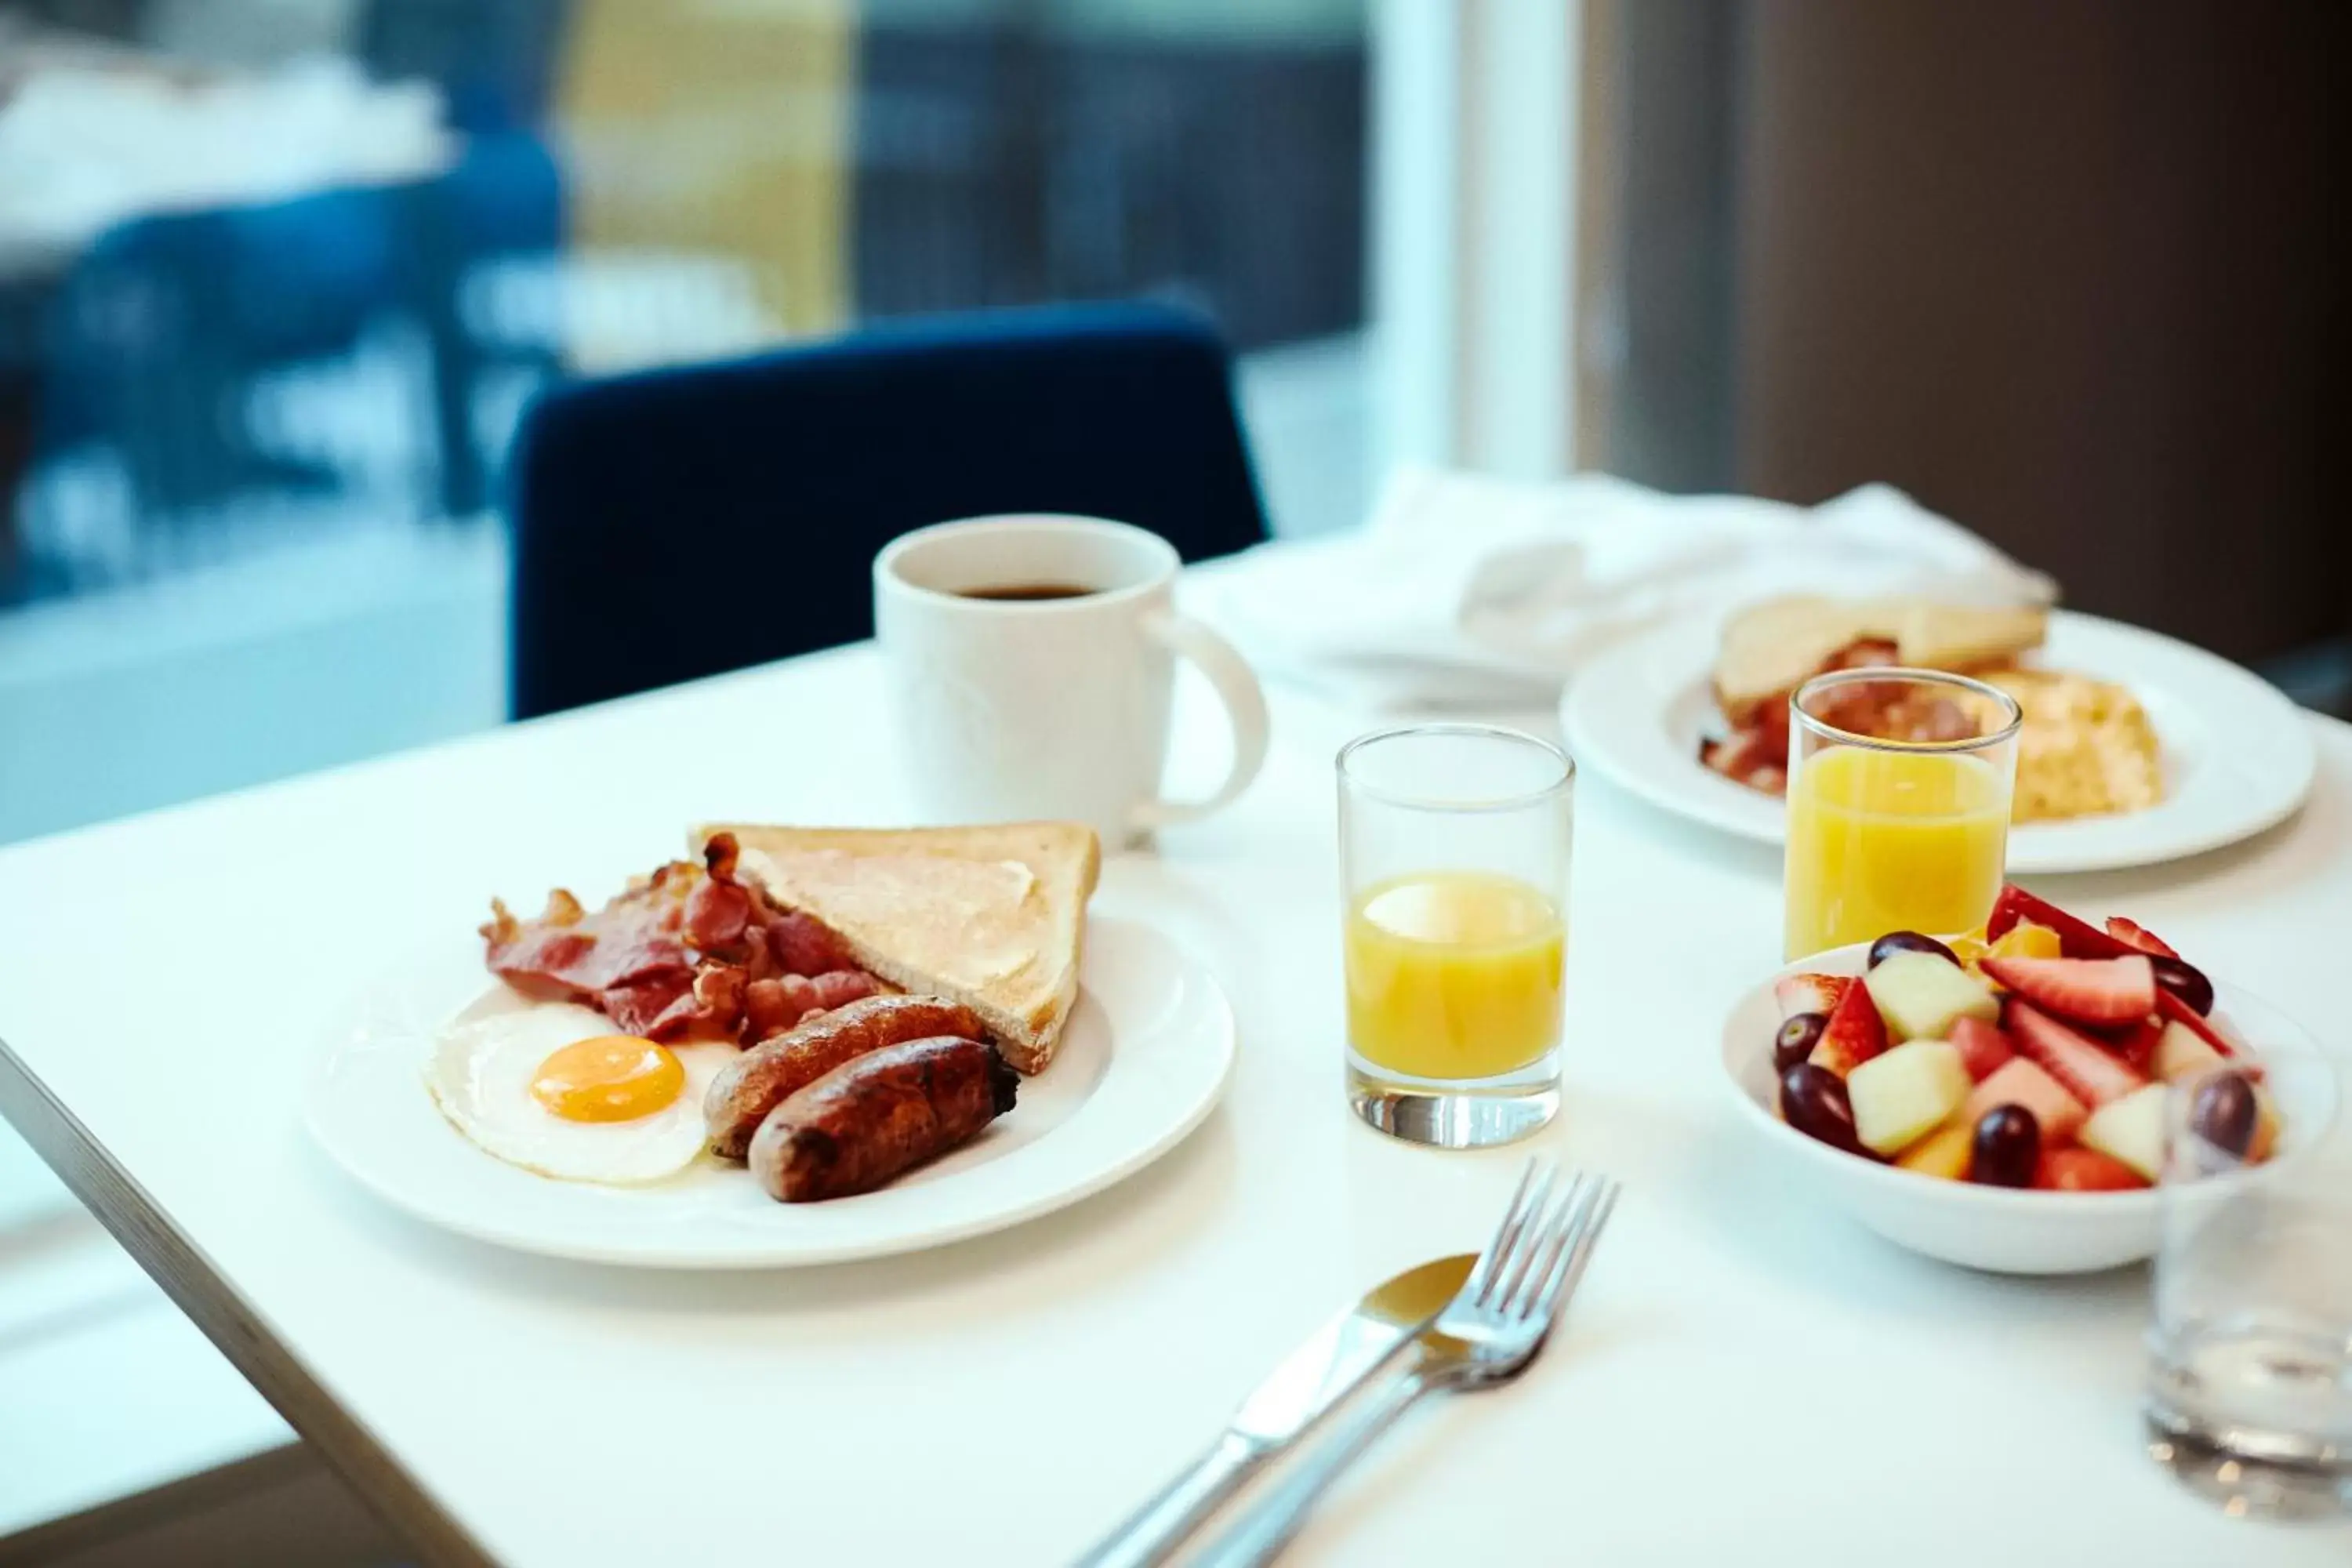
(1148, 1051)
(2237, 754)
(1998, 1228)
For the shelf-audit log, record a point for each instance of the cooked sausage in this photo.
(758, 1081)
(879, 1115)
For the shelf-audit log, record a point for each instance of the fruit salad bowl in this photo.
(2009, 1230)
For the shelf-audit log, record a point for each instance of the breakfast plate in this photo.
(2236, 755)
(1144, 1059)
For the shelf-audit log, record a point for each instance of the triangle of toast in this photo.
(993, 916)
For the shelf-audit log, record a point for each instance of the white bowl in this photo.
(2003, 1229)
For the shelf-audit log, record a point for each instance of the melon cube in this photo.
(2181, 1051)
(2130, 1131)
(1944, 1152)
(1900, 1095)
(2028, 940)
(1920, 994)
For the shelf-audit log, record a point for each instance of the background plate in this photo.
(1146, 1057)
(2238, 756)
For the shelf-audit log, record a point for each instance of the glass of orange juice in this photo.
(1899, 784)
(1453, 853)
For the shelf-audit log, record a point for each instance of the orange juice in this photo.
(1453, 974)
(1882, 841)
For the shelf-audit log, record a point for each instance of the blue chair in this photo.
(682, 522)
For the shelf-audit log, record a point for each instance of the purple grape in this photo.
(2185, 981)
(1795, 1041)
(2006, 1148)
(1895, 942)
(1813, 1100)
(2224, 1113)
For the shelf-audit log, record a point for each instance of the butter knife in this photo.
(1312, 1381)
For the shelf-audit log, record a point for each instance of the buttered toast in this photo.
(1773, 647)
(991, 917)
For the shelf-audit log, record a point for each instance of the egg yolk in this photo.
(613, 1077)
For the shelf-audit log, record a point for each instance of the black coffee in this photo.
(1024, 591)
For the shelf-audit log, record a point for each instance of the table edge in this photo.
(186, 1275)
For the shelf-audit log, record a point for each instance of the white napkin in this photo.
(1464, 590)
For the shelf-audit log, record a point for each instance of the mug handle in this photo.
(1244, 703)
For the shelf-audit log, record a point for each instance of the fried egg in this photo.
(550, 1088)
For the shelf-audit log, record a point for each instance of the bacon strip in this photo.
(688, 952)
(1757, 755)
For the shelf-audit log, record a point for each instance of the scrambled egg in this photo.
(2085, 749)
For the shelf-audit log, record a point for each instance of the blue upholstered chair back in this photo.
(682, 522)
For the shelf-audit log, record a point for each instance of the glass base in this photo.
(2244, 1485)
(1475, 1113)
(2255, 1422)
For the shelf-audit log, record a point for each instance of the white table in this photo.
(1744, 1380)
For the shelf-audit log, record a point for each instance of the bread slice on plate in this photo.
(1771, 647)
(992, 917)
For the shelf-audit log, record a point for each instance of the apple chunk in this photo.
(1901, 1096)
(1921, 994)
(2130, 1131)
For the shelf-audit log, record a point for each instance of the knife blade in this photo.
(1309, 1382)
(1339, 1357)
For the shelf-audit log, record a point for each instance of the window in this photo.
(278, 276)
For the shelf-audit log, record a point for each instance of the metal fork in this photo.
(1486, 1335)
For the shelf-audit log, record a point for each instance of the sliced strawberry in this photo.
(2084, 1068)
(1856, 1033)
(2019, 1082)
(1810, 994)
(2171, 1007)
(1982, 1046)
(2081, 1170)
(2137, 1045)
(2085, 990)
(2076, 938)
(2134, 934)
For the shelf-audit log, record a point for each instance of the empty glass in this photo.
(2249, 1378)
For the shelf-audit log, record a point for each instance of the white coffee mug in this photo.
(1031, 660)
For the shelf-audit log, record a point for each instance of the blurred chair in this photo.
(679, 523)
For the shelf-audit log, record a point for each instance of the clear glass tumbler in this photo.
(1899, 786)
(1453, 853)
(2250, 1372)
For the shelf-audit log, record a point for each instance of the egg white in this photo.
(481, 1072)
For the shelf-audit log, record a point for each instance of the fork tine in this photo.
(1474, 1288)
(1560, 1229)
(1539, 1242)
(1505, 1276)
(1571, 1268)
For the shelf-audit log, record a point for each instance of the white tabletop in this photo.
(1744, 1379)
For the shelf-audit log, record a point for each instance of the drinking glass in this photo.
(2249, 1369)
(1899, 786)
(1453, 854)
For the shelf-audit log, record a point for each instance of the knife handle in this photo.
(1153, 1533)
(1270, 1524)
